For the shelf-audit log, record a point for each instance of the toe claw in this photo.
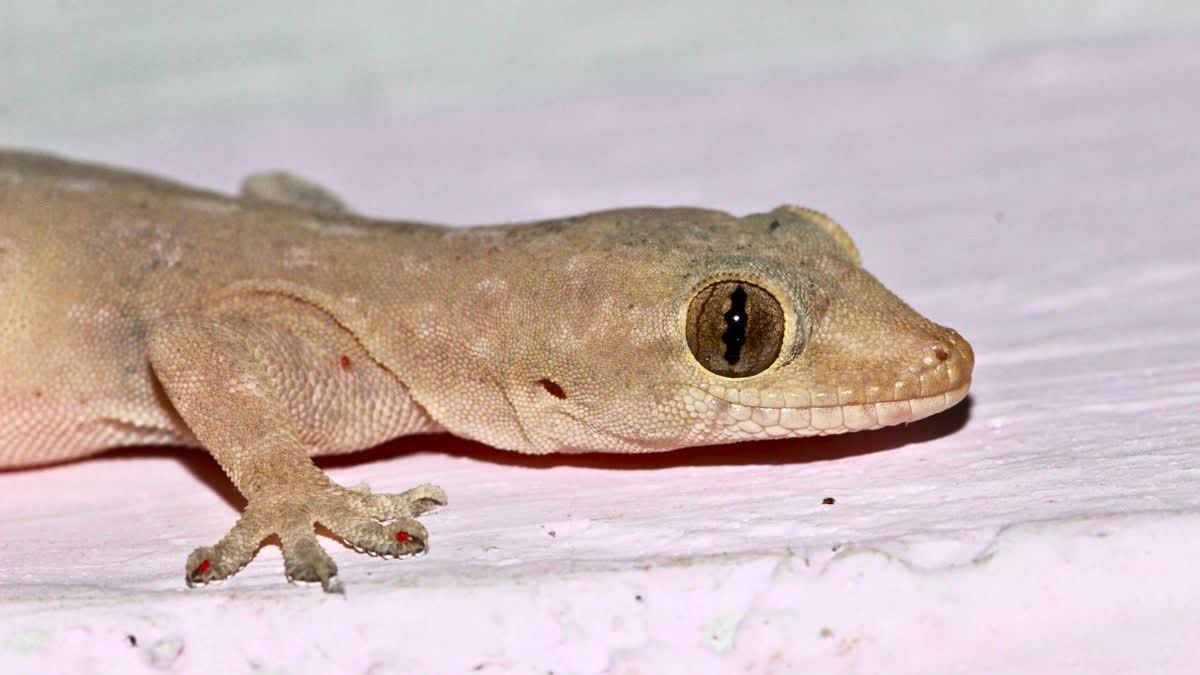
(333, 585)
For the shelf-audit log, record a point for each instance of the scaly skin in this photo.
(275, 326)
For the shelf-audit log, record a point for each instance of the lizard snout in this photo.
(942, 376)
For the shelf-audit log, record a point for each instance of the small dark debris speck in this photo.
(552, 533)
(773, 226)
(132, 640)
(826, 633)
(639, 598)
(829, 500)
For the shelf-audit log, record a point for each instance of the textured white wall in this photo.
(77, 67)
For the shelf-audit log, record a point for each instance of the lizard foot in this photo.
(377, 524)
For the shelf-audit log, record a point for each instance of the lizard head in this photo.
(652, 329)
(797, 339)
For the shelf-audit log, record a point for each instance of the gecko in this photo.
(277, 324)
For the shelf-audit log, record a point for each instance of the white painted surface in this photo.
(1045, 205)
(73, 68)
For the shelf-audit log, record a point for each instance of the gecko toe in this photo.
(411, 503)
(401, 537)
(200, 569)
(214, 563)
(305, 561)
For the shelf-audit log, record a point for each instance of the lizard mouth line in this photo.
(748, 421)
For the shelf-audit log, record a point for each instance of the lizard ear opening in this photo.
(735, 329)
(829, 225)
(553, 388)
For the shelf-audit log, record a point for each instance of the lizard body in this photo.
(277, 325)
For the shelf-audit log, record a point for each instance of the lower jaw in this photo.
(828, 420)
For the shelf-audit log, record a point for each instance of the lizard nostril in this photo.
(940, 353)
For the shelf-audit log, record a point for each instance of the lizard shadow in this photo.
(772, 452)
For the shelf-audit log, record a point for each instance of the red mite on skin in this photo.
(204, 566)
(402, 537)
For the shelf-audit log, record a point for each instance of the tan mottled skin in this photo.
(275, 326)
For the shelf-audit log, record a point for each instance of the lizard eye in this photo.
(735, 329)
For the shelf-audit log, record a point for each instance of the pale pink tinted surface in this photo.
(1045, 206)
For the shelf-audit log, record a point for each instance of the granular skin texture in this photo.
(276, 325)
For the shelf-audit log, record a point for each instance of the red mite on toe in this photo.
(403, 537)
(204, 566)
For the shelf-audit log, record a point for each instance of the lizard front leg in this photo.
(250, 382)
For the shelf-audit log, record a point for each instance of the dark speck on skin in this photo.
(553, 388)
(773, 226)
(828, 500)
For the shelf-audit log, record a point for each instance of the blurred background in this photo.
(473, 92)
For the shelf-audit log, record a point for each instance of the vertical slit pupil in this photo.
(735, 326)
